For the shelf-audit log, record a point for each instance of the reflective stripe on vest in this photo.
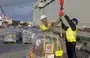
(71, 35)
(42, 27)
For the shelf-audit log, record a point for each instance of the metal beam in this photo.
(47, 4)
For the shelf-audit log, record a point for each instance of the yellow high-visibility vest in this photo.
(71, 35)
(43, 27)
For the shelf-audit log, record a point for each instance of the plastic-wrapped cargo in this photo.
(19, 35)
(27, 34)
(10, 35)
(46, 45)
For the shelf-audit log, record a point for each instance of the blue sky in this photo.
(18, 9)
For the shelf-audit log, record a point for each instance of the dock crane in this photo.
(4, 16)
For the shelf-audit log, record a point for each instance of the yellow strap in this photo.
(59, 53)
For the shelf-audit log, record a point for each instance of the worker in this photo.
(70, 35)
(46, 26)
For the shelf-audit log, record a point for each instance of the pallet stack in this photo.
(10, 36)
(27, 34)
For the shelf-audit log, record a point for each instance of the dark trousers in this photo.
(70, 46)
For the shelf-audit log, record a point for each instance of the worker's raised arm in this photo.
(63, 25)
(56, 23)
(72, 25)
(60, 21)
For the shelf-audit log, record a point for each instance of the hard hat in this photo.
(42, 17)
(75, 20)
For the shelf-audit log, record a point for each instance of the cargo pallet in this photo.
(10, 42)
(27, 43)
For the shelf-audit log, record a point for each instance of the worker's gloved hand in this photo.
(53, 24)
(60, 19)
